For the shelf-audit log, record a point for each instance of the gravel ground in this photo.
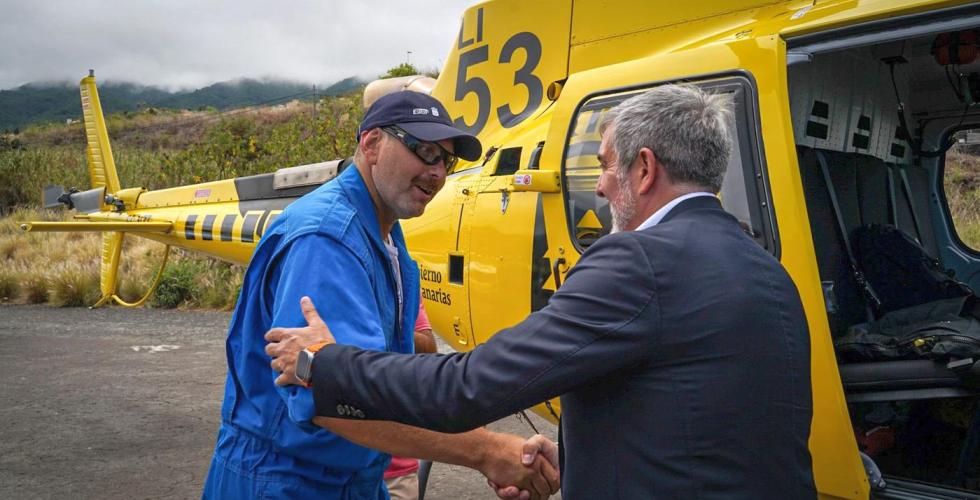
(125, 403)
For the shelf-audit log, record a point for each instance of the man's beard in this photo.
(626, 209)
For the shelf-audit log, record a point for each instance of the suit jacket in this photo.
(681, 354)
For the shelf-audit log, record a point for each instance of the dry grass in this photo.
(35, 288)
(51, 267)
(73, 286)
(221, 285)
(8, 286)
(63, 269)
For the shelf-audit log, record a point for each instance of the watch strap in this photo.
(316, 347)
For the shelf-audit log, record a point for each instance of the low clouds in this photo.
(192, 43)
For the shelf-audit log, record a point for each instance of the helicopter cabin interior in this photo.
(884, 123)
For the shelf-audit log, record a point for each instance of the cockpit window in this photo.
(743, 192)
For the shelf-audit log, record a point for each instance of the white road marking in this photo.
(154, 348)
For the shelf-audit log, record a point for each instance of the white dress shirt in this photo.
(657, 216)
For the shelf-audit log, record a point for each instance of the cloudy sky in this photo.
(193, 43)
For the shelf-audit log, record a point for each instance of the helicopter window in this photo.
(743, 192)
(456, 269)
(961, 186)
(535, 161)
(508, 161)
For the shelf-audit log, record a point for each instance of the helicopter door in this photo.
(501, 247)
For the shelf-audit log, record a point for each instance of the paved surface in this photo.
(119, 403)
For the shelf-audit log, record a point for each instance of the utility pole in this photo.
(314, 110)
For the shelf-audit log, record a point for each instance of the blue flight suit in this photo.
(326, 245)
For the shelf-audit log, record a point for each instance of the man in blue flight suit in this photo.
(342, 245)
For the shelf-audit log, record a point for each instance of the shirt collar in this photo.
(658, 216)
(357, 192)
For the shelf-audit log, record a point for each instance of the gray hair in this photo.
(688, 129)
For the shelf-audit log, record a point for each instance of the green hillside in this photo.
(36, 103)
(156, 148)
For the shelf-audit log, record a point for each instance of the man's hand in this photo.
(534, 446)
(286, 343)
(529, 468)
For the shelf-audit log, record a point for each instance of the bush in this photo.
(403, 69)
(962, 185)
(74, 286)
(222, 284)
(9, 143)
(131, 289)
(8, 286)
(178, 284)
(35, 288)
(9, 248)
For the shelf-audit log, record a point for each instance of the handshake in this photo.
(514, 467)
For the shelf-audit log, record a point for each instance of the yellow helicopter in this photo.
(844, 110)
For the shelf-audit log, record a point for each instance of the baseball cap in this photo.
(422, 116)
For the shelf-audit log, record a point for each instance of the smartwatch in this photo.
(304, 362)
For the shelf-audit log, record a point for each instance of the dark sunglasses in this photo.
(429, 152)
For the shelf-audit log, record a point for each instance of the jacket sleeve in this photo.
(317, 267)
(588, 329)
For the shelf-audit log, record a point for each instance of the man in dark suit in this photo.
(679, 347)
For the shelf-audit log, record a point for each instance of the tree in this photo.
(403, 69)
